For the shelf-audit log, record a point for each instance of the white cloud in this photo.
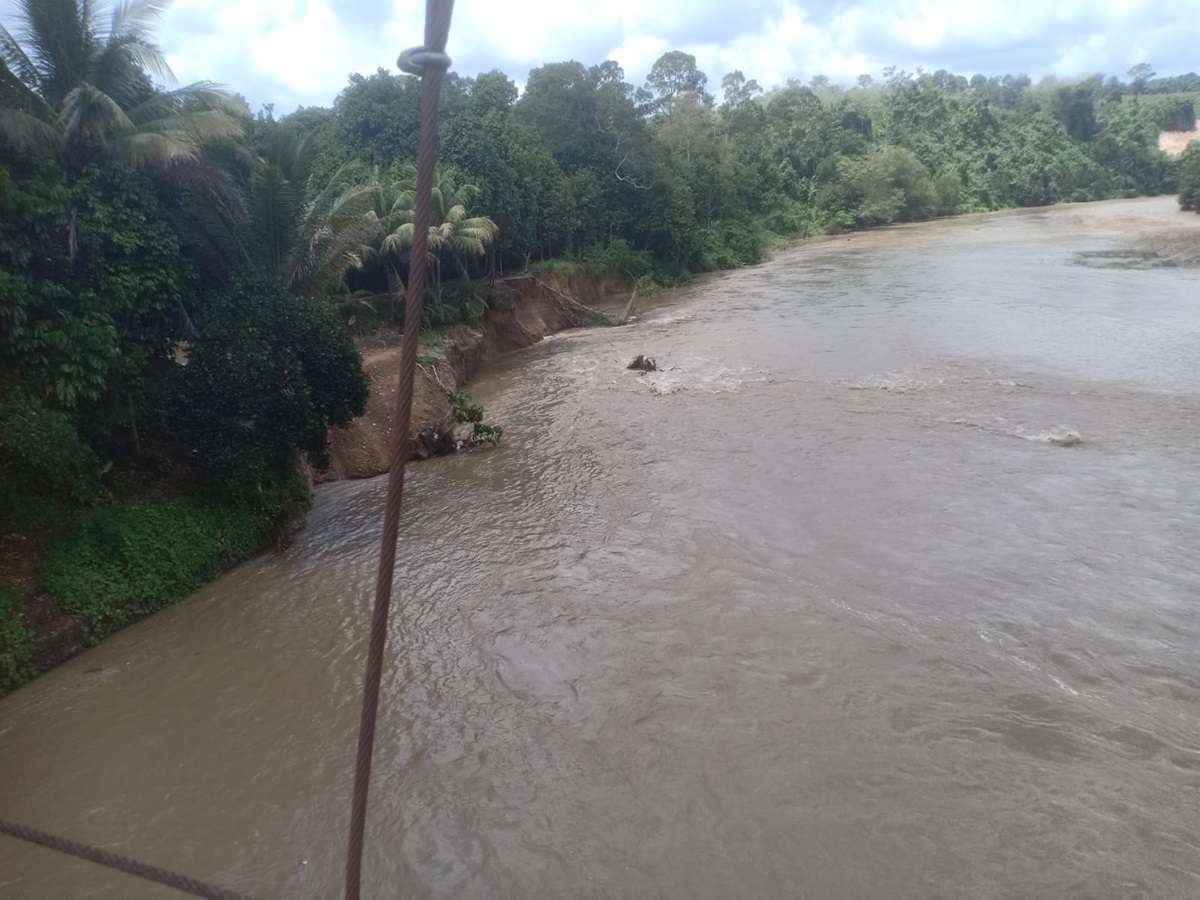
(301, 51)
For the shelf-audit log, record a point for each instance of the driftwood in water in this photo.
(643, 364)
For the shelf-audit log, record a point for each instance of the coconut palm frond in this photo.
(330, 252)
(193, 99)
(131, 29)
(59, 37)
(14, 60)
(81, 67)
(211, 213)
(90, 116)
(153, 150)
(29, 133)
(274, 211)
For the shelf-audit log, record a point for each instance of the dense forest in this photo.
(180, 277)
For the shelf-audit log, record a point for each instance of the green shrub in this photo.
(1189, 178)
(270, 373)
(729, 243)
(647, 286)
(559, 265)
(453, 305)
(16, 660)
(40, 449)
(463, 411)
(889, 185)
(118, 564)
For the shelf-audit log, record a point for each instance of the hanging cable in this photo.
(430, 62)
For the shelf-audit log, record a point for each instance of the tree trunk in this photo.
(137, 440)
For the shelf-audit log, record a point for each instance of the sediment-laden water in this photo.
(887, 586)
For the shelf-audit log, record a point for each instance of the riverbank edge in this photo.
(522, 310)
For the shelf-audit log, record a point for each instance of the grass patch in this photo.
(558, 266)
(16, 658)
(119, 564)
(434, 339)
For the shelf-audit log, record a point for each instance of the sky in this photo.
(301, 52)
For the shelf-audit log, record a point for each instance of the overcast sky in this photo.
(300, 52)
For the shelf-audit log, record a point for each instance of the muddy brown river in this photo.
(888, 586)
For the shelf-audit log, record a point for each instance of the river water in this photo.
(887, 586)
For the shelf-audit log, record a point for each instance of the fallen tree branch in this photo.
(582, 313)
(623, 319)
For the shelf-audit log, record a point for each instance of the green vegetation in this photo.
(179, 278)
(1189, 178)
(271, 375)
(463, 411)
(120, 563)
(16, 660)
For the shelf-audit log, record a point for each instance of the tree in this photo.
(482, 137)
(798, 128)
(454, 234)
(74, 87)
(674, 73)
(379, 117)
(307, 242)
(268, 376)
(1139, 77)
(1189, 178)
(738, 91)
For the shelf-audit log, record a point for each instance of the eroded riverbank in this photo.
(523, 310)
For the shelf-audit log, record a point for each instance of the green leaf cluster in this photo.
(16, 657)
(268, 376)
(120, 563)
(1189, 178)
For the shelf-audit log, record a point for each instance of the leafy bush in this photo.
(1189, 178)
(131, 257)
(463, 411)
(54, 337)
(618, 256)
(452, 306)
(118, 564)
(728, 244)
(647, 286)
(890, 185)
(270, 373)
(41, 450)
(16, 661)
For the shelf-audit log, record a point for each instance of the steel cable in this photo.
(430, 62)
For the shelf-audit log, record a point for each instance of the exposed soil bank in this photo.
(1175, 142)
(522, 310)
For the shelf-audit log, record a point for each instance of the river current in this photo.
(886, 586)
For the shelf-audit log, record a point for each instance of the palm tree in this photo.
(454, 234)
(74, 85)
(308, 241)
